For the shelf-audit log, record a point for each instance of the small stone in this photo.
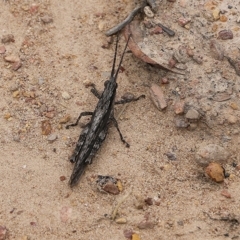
(172, 62)
(121, 220)
(25, 238)
(12, 58)
(107, 184)
(225, 34)
(2, 49)
(238, 20)
(225, 193)
(216, 50)
(62, 178)
(223, 18)
(179, 107)
(7, 115)
(181, 66)
(119, 185)
(65, 119)
(149, 201)
(50, 114)
(211, 152)
(190, 52)
(8, 38)
(215, 171)
(111, 188)
(147, 10)
(101, 25)
(198, 59)
(192, 114)
(66, 95)
(181, 122)
(156, 30)
(52, 137)
(135, 236)
(140, 202)
(157, 97)
(216, 14)
(46, 19)
(87, 83)
(183, 21)
(127, 233)
(164, 80)
(16, 66)
(3, 232)
(145, 224)
(16, 94)
(46, 127)
(233, 105)
(232, 119)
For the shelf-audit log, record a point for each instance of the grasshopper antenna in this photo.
(122, 56)
(115, 56)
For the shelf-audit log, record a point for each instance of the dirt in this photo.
(54, 49)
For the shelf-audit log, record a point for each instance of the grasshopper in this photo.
(94, 133)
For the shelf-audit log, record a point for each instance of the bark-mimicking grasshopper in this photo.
(94, 133)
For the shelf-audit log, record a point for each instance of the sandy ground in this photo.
(59, 44)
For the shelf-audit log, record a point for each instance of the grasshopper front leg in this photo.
(81, 115)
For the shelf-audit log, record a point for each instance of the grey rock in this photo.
(52, 137)
(192, 114)
(211, 153)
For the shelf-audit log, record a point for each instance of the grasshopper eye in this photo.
(105, 83)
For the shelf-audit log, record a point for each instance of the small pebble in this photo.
(135, 236)
(183, 21)
(2, 49)
(147, 10)
(66, 95)
(225, 193)
(156, 30)
(216, 14)
(16, 94)
(127, 233)
(216, 50)
(225, 34)
(232, 119)
(3, 232)
(121, 220)
(65, 119)
(101, 25)
(181, 122)
(145, 224)
(164, 80)
(46, 127)
(46, 19)
(192, 114)
(8, 38)
(7, 115)
(140, 202)
(16, 66)
(62, 178)
(198, 59)
(234, 105)
(211, 152)
(157, 97)
(149, 201)
(215, 171)
(12, 58)
(172, 62)
(179, 107)
(223, 18)
(52, 137)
